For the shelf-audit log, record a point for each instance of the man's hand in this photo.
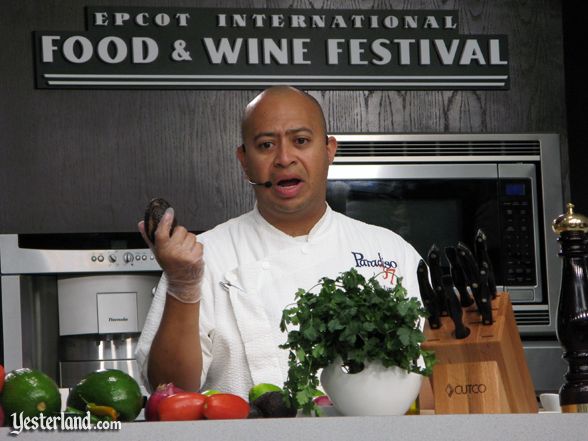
(180, 256)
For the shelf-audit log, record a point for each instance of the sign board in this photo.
(205, 48)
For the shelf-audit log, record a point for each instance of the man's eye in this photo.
(266, 145)
(302, 141)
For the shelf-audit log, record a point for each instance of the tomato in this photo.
(183, 406)
(1, 377)
(152, 405)
(225, 406)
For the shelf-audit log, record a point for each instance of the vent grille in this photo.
(438, 148)
(532, 318)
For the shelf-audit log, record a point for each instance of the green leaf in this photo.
(369, 326)
(404, 336)
(334, 325)
(310, 333)
(318, 351)
(304, 395)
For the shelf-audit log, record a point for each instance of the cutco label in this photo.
(465, 389)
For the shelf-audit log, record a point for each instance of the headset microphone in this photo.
(266, 184)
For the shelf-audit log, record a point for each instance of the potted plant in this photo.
(359, 326)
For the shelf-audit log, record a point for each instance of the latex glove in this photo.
(180, 256)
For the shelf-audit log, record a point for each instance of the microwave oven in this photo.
(441, 188)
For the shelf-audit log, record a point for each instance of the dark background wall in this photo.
(575, 48)
(88, 161)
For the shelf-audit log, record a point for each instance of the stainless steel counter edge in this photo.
(512, 427)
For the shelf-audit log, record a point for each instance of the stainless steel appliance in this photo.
(440, 188)
(72, 304)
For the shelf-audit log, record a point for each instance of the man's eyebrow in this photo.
(288, 132)
(299, 129)
(262, 134)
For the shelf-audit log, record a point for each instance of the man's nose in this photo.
(285, 154)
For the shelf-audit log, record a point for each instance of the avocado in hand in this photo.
(153, 214)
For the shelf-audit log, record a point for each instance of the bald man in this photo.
(214, 320)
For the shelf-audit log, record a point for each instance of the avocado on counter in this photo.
(272, 405)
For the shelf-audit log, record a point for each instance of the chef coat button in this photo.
(265, 264)
(305, 249)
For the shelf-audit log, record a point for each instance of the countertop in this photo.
(496, 427)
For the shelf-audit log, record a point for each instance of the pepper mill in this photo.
(572, 313)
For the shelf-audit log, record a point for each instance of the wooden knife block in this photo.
(487, 371)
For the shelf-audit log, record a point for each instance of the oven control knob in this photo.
(128, 257)
(112, 258)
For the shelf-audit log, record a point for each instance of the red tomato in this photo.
(225, 406)
(183, 406)
(1, 377)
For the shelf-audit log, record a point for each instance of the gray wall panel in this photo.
(88, 161)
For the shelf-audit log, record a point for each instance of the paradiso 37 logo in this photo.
(388, 267)
(465, 389)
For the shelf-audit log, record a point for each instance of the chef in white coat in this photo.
(214, 320)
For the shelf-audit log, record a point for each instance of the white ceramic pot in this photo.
(375, 390)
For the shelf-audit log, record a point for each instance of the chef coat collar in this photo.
(314, 233)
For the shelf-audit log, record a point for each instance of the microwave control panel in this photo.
(518, 235)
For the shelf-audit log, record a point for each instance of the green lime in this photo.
(210, 392)
(259, 389)
(31, 392)
(110, 387)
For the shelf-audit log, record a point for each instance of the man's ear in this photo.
(241, 157)
(331, 148)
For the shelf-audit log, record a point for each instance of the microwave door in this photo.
(426, 204)
(444, 204)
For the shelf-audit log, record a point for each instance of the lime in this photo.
(210, 392)
(259, 389)
(31, 392)
(110, 387)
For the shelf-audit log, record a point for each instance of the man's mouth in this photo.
(288, 182)
(288, 188)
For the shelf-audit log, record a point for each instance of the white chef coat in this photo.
(252, 272)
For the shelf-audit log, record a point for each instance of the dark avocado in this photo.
(272, 405)
(254, 412)
(153, 214)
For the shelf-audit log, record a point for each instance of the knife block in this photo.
(487, 371)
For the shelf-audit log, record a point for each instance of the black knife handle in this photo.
(468, 262)
(458, 277)
(434, 261)
(485, 306)
(491, 282)
(481, 250)
(455, 311)
(428, 296)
